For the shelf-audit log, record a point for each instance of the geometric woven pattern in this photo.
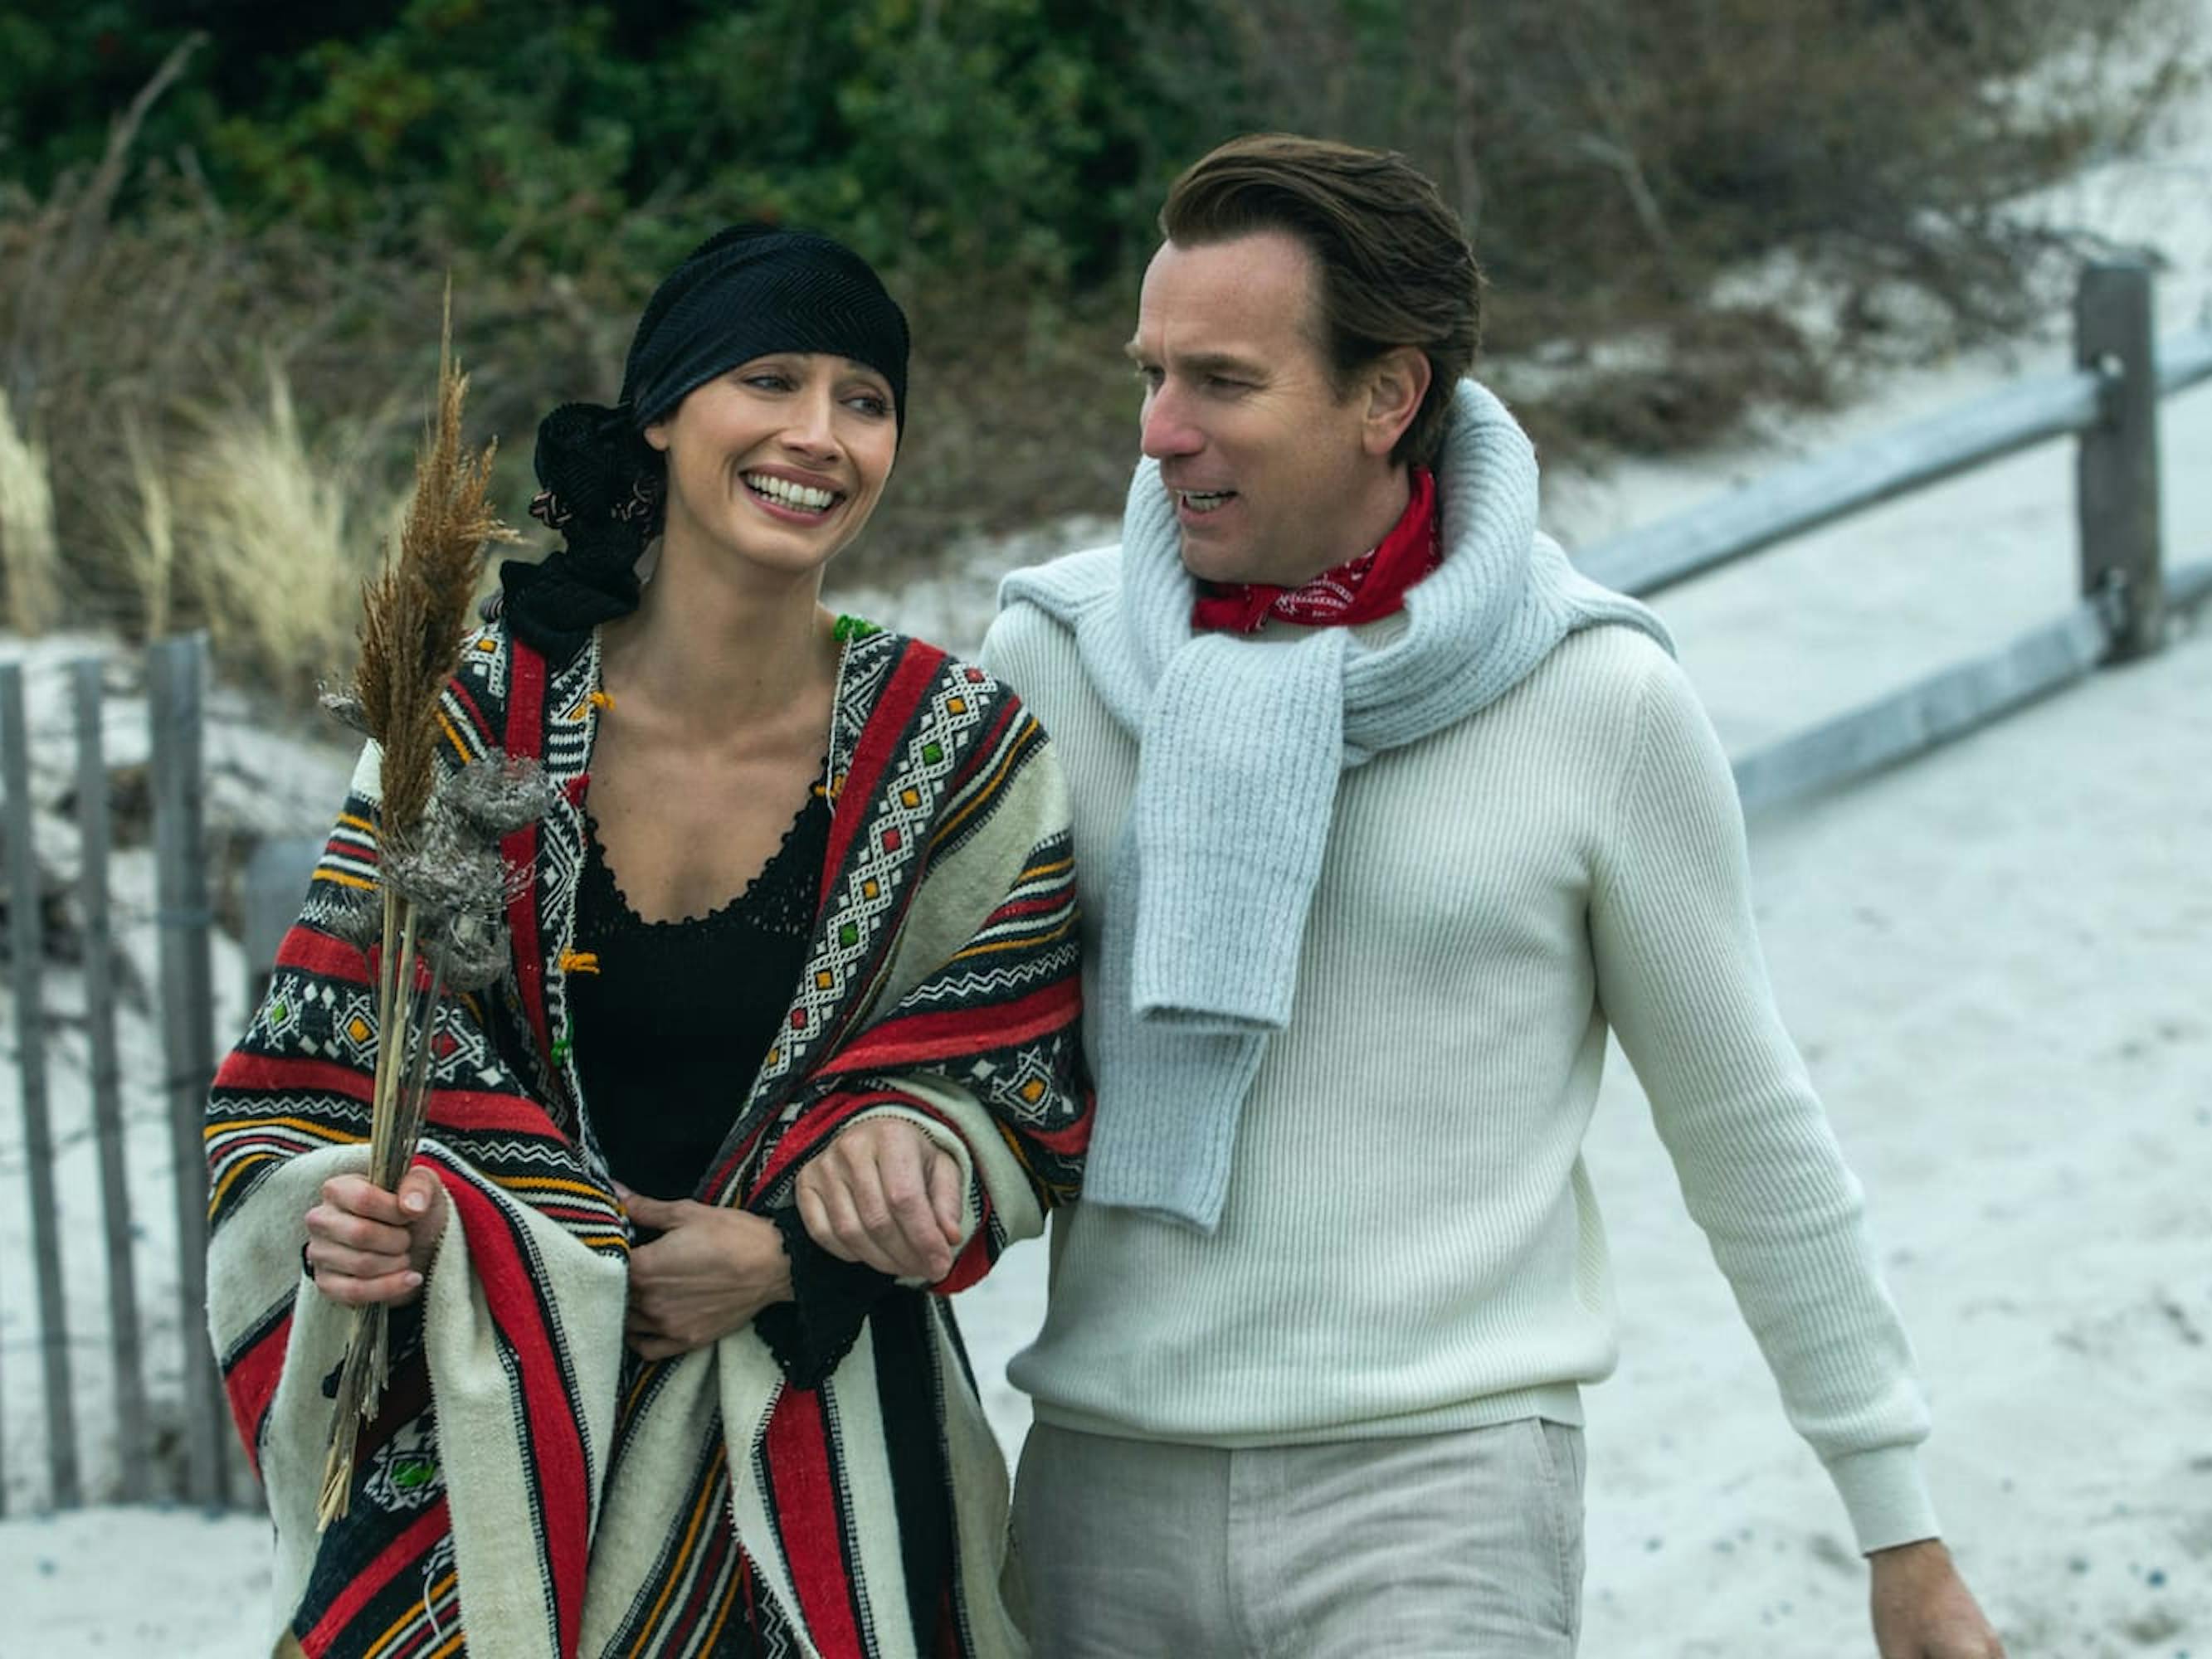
(619, 1511)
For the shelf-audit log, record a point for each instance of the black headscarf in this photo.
(745, 292)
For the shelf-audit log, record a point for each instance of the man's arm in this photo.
(1683, 983)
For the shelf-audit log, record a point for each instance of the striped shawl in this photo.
(526, 1491)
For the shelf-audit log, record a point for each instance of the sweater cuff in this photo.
(810, 1334)
(1886, 1496)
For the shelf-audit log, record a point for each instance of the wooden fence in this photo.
(2110, 401)
(195, 1436)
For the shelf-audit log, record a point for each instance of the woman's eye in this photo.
(768, 381)
(871, 404)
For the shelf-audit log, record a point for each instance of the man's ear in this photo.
(1396, 383)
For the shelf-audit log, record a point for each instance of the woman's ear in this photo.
(657, 436)
(1396, 383)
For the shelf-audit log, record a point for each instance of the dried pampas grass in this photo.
(443, 884)
(29, 555)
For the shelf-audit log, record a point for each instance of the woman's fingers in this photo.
(814, 1215)
(890, 1196)
(946, 1195)
(328, 1223)
(357, 1195)
(657, 1213)
(403, 1283)
(328, 1258)
(368, 1245)
(883, 1201)
(856, 1240)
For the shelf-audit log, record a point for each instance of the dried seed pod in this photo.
(498, 795)
(342, 705)
(355, 916)
(476, 953)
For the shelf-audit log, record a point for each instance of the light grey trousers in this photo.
(1467, 1545)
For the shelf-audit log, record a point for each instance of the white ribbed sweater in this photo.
(1410, 1242)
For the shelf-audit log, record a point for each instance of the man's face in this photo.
(1265, 464)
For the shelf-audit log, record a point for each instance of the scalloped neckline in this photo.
(631, 914)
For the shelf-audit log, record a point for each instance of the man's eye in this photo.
(1150, 377)
(768, 381)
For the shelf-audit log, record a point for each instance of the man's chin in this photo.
(1211, 560)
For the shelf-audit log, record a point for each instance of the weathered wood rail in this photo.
(2109, 401)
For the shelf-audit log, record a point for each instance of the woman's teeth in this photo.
(1205, 501)
(784, 493)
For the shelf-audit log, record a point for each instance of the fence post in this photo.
(274, 887)
(133, 1442)
(2116, 469)
(175, 678)
(27, 945)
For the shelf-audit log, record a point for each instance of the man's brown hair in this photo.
(1395, 265)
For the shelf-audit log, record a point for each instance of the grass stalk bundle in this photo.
(436, 921)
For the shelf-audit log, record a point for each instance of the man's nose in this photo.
(1166, 429)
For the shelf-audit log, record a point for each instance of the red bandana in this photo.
(1373, 585)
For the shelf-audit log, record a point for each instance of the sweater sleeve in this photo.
(1684, 985)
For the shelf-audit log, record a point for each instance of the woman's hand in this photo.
(710, 1271)
(366, 1245)
(884, 1192)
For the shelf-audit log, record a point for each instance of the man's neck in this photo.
(1371, 514)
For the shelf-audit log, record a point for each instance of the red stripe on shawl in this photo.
(883, 739)
(459, 689)
(919, 1037)
(395, 1557)
(974, 1260)
(275, 1074)
(1041, 905)
(554, 1442)
(525, 711)
(317, 952)
(251, 1382)
(807, 1518)
(481, 1111)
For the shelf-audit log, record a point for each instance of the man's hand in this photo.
(885, 1193)
(710, 1271)
(1922, 1609)
(366, 1245)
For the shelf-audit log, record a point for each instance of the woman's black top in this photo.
(669, 1029)
(669, 1033)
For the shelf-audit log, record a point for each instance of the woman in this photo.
(789, 1034)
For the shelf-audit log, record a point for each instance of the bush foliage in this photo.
(288, 194)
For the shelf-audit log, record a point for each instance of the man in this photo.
(1383, 818)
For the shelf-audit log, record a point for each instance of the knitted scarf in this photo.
(1243, 742)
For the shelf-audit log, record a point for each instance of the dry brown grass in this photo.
(30, 559)
(274, 537)
(142, 526)
(414, 609)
